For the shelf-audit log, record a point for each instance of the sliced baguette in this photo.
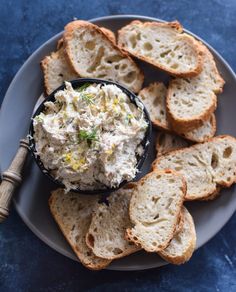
(154, 99)
(73, 213)
(205, 166)
(180, 224)
(92, 54)
(181, 247)
(167, 142)
(155, 209)
(106, 234)
(56, 69)
(191, 101)
(163, 45)
(110, 34)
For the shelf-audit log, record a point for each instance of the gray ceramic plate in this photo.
(31, 199)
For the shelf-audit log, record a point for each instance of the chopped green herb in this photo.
(88, 97)
(88, 136)
(38, 119)
(128, 118)
(83, 87)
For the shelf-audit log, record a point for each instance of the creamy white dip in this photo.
(89, 137)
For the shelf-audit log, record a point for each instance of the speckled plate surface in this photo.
(31, 199)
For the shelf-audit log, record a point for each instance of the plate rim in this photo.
(27, 222)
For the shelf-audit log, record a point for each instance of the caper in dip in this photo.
(89, 138)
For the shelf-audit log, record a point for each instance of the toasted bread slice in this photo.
(191, 101)
(110, 34)
(182, 245)
(73, 213)
(106, 234)
(202, 133)
(154, 99)
(205, 166)
(167, 142)
(163, 45)
(56, 70)
(180, 224)
(155, 209)
(92, 54)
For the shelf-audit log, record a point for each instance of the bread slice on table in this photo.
(154, 99)
(205, 167)
(191, 101)
(163, 45)
(56, 70)
(106, 234)
(167, 142)
(182, 245)
(155, 209)
(73, 214)
(92, 54)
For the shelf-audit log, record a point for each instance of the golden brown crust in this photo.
(45, 64)
(68, 35)
(60, 43)
(129, 236)
(215, 72)
(193, 197)
(110, 34)
(177, 260)
(188, 136)
(104, 263)
(179, 29)
(214, 195)
(180, 224)
(191, 123)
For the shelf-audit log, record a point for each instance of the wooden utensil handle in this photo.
(11, 178)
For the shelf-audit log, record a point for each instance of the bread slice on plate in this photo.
(191, 101)
(163, 45)
(154, 98)
(202, 133)
(110, 34)
(73, 214)
(106, 234)
(92, 54)
(182, 245)
(167, 142)
(205, 166)
(155, 209)
(56, 70)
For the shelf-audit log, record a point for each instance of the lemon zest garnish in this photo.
(116, 101)
(78, 164)
(67, 157)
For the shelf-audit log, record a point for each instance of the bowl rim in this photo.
(78, 83)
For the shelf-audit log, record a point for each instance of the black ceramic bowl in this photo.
(78, 83)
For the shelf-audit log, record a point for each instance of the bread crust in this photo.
(110, 34)
(129, 236)
(68, 35)
(179, 29)
(45, 64)
(177, 260)
(191, 123)
(169, 128)
(193, 197)
(127, 251)
(215, 71)
(103, 264)
(189, 137)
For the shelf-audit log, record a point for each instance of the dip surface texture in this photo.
(89, 138)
